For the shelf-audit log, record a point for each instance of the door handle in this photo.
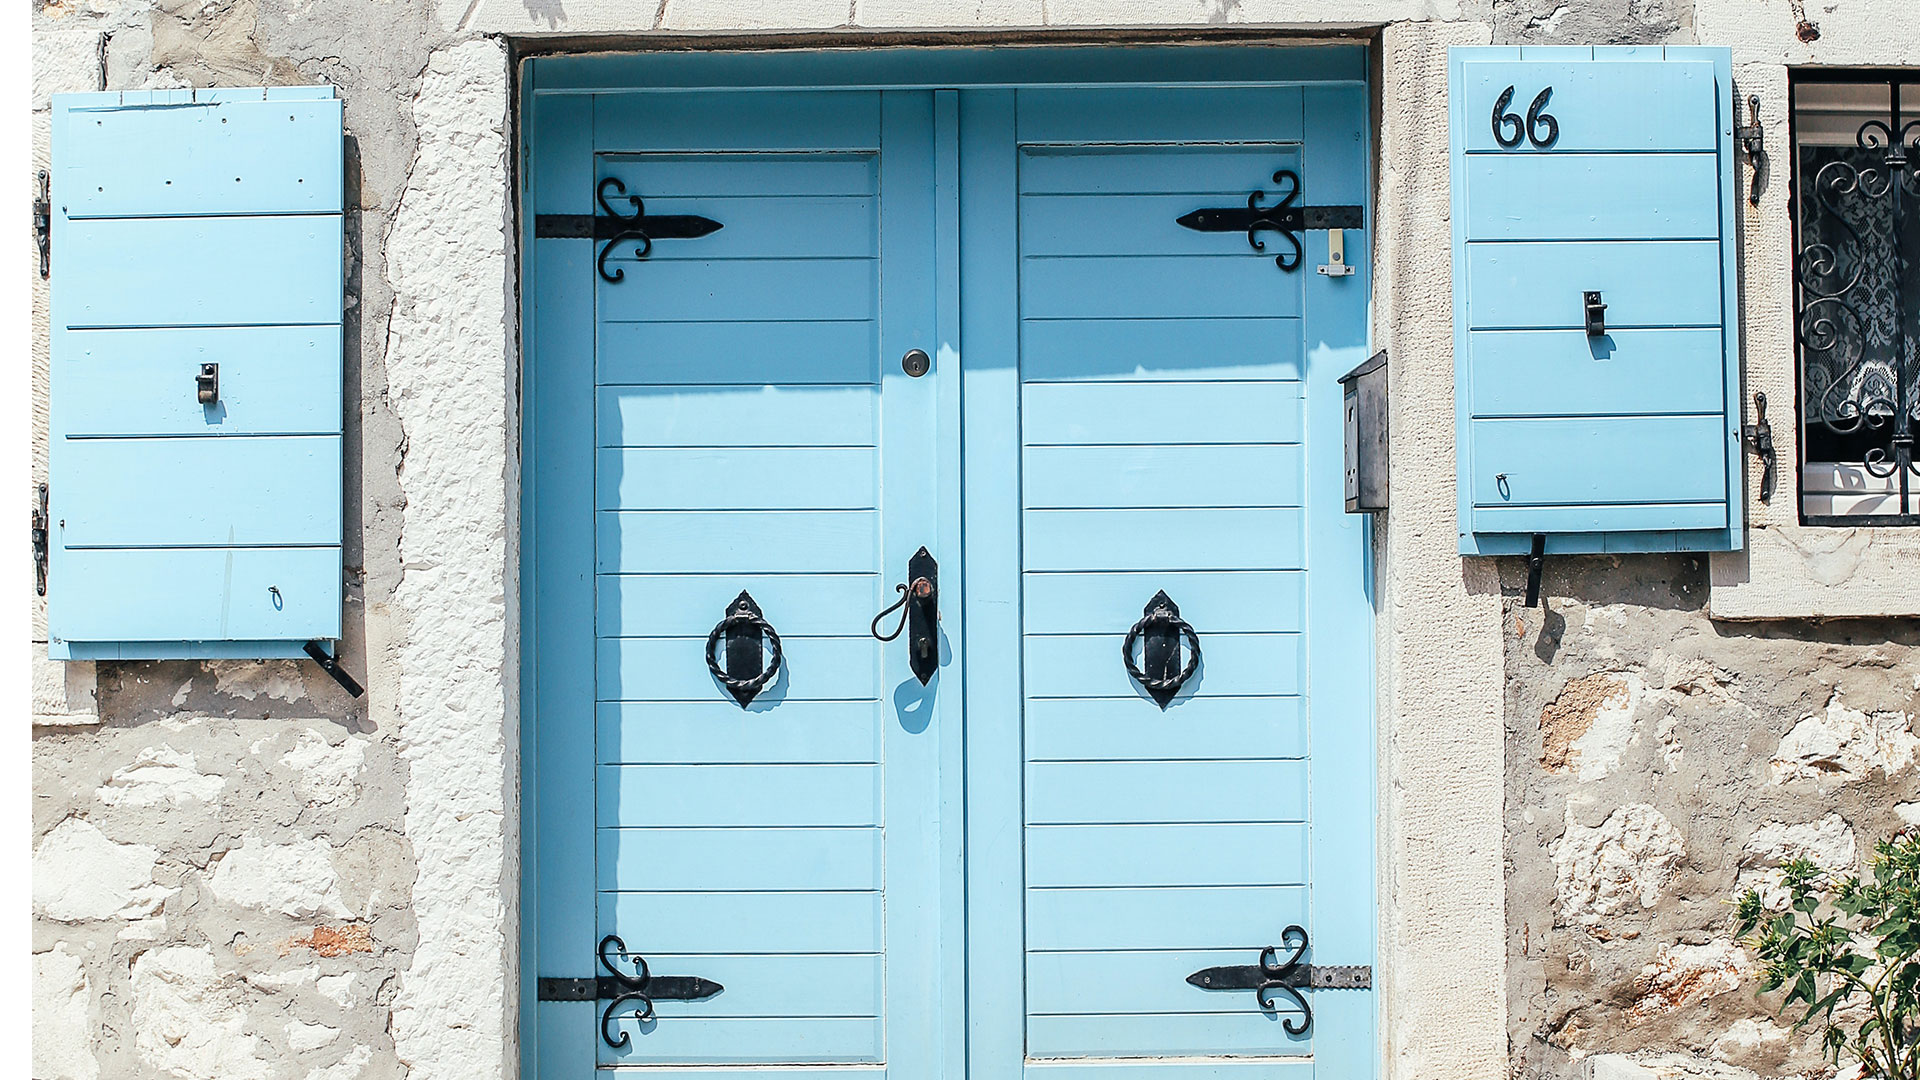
(921, 619)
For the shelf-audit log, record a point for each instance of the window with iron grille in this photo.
(1856, 209)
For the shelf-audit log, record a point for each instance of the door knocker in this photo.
(1160, 671)
(921, 619)
(744, 628)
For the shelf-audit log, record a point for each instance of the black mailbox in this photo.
(1364, 402)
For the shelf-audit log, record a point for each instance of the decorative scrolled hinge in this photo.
(1282, 217)
(619, 989)
(1288, 977)
(616, 228)
(1759, 438)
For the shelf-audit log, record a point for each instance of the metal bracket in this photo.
(1536, 562)
(614, 227)
(1753, 141)
(1283, 217)
(1759, 438)
(618, 988)
(43, 225)
(1596, 313)
(1336, 264)
(330, 664)
(1288, 976)
(40, 543)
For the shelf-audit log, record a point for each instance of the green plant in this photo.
(1845, 943)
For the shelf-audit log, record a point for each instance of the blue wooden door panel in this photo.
(1648, 283)
(672, 669)
(698, 288)
(1136, 983)
(721, 733)
(1240, 601)
(1162, 918)
(756, 1040)
(1099, 792)
(811, 541)
(712, 795)
(1136, 225)
(1137, 350)
(767, 227)
(1066, 477)
(1205, 854)
(274, 380)
(1619, 459)
(843, 986)
(1566, 373)
(1080, 729)
(221, 271)
(1599, 106)
(1070, 414)
(1227, 285)
(1171, 1035)
(1157, 114)
(739, 478)
(759, 122)
(204, 594)
(1215, 539)
(283, 490)
(754, 353)
(686, 605)
(739, 416)
(749, 923)
(241, 157)
(804, 858)
(1553, 197)
(708, 176)
(1150, 171)
(1088, 665)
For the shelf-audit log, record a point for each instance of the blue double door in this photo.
(798, 356)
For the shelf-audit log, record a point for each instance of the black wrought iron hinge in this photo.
(43, 225)
(40, 543)
(1759, 438)
(1288, 976)
(1282, 217)
(1753, 141)
(616, 228)
(618, 988)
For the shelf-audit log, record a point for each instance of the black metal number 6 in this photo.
(1509, 128)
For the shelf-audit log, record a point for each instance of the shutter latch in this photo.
(40, 543)
(1759, 438)
(1753, 140)
(43, 225)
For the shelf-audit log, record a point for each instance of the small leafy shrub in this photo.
(1848, 950)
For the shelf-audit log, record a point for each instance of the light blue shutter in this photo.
(1621, 182)
(195, 227)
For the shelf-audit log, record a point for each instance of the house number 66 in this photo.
(1530, 127)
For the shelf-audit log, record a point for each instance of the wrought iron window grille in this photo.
(1856, 213)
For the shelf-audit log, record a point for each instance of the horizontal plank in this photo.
(1141, 350)
(633, 605)
(1649, 283)
(1244, 918)
(1172, 1035)
(706, 1040)
(1237, 283)
(812, 120)
(804, 859)
(1099, 729)
(1188, 854)
(739, 416)
(723, 542)
(738, 478)
(744, 290)
(220, 271)
(719, 732)
(777, 986)
(1662, 518)
(660, 795)
(1150, 170)
(655, 176)
(1149, 413)
(1570, 196)
(737, 353)
(743, 922)
(1163, 539)
(1613, 459)
(1217, 602)
(1165, 792)
(1190, 1068)
(196, 594)
(1567, 373)
(1089, 665)
(674, 669)
(221, 157)
(1600, 105)
(1160, 114)
(280, 380)
(1079, 983)
(1155, 476)
(770, 227)
(224, 490)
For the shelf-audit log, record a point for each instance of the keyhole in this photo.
(916, 363)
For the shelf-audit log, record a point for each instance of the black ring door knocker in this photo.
(921, 619)
(1160, 671)
(744, 629)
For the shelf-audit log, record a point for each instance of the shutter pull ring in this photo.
(1536, 561)
(331, 665)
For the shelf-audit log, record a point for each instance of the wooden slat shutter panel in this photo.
(195, 227)
(1621, 181)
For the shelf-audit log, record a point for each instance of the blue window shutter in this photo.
(1620, 181)
(191, 228)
